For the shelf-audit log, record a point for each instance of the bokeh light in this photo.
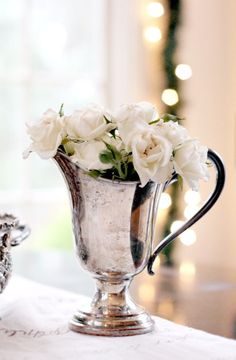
(152, 34)
(183, 71)
(155, 9)
(170, 97)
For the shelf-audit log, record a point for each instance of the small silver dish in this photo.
(12, 233)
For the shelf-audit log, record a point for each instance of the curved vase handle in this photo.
(22, 232)
(220, 180)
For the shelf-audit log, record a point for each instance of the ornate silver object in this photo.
(113, 225)
(11, 234)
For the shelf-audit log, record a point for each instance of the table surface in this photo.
(33, 325)
(200, 297)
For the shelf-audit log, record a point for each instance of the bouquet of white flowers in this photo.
(131, 144)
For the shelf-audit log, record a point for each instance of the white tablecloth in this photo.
(34, 321)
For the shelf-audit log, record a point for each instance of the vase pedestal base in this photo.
(112, 312)
(111, 324)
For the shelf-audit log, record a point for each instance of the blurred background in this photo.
(178, 54)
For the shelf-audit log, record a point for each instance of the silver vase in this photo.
(113, 224)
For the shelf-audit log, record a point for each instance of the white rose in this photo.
(88, 123)
(46, 135)
(139, 112)
(174, 132)
(133, 117)
(86, 155)
(190, 162)
(151, 156)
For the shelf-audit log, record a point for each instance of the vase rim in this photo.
(110, 181)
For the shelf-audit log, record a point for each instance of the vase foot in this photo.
(111, 324)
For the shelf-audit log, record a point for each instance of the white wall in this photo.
(134, 65)
(208, 44)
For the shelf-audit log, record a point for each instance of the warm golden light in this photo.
(192, 197)
(155, 9)
(179, 318)
(189, 211)
(187, 272)
(188, 237)
(187, 268)
(165, 201)
(183, 71)
(146, 292)
(170, 97)
(176, 225)
(156, 264)
(166, 309)
(152, 34)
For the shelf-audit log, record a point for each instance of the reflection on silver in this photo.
(113, 225)
(11, 234)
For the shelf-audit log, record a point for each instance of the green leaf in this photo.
(110, 147)
(94, 173)
(61, 111)
(113, 133)
(107, 120)
(106, 157)
(154, 121)
(180, 181)
(169, 117)
(115, 153)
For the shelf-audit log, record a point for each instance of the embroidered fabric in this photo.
(34, 322)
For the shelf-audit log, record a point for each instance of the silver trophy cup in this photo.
(113, 224)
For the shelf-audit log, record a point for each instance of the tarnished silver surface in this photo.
(113, 225)
(11, 234)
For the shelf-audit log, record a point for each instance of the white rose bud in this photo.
(46, 135)
(86, 155)
(190, 162)
(151, 156)
(88, 123)
(172, 131)
(131, 118)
